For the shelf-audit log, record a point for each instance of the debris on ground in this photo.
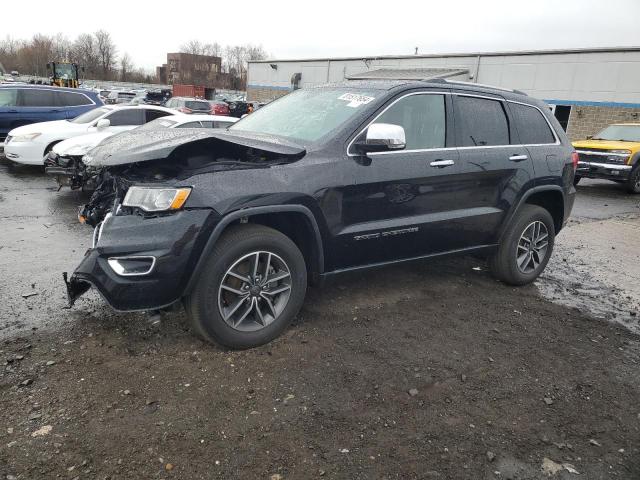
(41, 432)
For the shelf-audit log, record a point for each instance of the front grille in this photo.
(599, 158)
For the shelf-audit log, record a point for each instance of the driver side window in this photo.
(423, 118)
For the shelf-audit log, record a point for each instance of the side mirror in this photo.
(103, 123)
(382, 137)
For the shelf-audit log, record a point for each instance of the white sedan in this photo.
(64, 162)
(78, 146)
(31, 143)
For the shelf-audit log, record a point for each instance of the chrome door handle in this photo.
(518, 158)
(442, 163)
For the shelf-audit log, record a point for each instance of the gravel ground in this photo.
(432, 370)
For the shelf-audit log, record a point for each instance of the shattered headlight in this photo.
(156, 199)
(25, 138)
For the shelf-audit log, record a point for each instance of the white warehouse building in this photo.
(586, 88)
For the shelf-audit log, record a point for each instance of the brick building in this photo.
(586, 88)
(190, 69)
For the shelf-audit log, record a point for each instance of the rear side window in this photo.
(531, 125)
(37, 98)
(423, 119)
(190, 125)
(8, 97)
(69, 99)
(221, 124)
(129, 116)
(481, 122)
(152, 114)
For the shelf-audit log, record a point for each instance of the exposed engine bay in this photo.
(70, 171)
(186, 160)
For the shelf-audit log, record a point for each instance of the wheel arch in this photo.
(303, 231)
(50, 146)
(549, 197)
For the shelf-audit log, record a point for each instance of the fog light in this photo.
(132, 266)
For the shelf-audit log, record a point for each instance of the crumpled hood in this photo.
(145, 145)
(81, 144)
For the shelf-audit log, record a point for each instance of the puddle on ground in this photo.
(590, 286)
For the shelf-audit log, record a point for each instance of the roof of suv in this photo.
(435, 83)
(48, 87)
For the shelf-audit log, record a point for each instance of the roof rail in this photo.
(472, 84)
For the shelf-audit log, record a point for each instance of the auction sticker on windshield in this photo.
(355, 100)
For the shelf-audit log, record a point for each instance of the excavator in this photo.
(64, 74)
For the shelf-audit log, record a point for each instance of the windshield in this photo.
(624, 133)
(90, 116)
(157, 123)
(307, 115)
(65, 71)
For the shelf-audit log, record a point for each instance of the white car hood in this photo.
(81, 144)
(57, 126)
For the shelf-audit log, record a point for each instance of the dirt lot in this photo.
(428, 371)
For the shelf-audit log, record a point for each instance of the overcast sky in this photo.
(147, 30)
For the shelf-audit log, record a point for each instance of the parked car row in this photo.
(65, 160)
(26, 104)
(234, 222)
(29, 144)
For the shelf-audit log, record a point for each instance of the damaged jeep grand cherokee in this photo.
(235, 223)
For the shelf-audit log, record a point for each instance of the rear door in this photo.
(8, 110)
(38, 105)
(399, 203)
(125, 119)
(535, 133)
(72, 103)
(494, 168)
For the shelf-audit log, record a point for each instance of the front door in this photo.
(400, 204)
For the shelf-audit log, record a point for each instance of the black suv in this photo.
(235, 223)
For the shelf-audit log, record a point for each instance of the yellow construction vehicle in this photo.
(64, 74)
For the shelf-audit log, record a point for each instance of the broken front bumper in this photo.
(139, 263)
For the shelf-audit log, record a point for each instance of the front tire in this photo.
(252, 286)
(576, 180)
(525, 248)
(633, 183)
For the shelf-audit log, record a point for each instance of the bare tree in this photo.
(84, 52)
(126, 67)
(61, 48)
(194, 47)
(107, 52)
(36, 54)
(9, 48)
(254, 52)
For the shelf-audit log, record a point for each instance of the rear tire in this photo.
(252, 286)
(525, 248)
(633, 183)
